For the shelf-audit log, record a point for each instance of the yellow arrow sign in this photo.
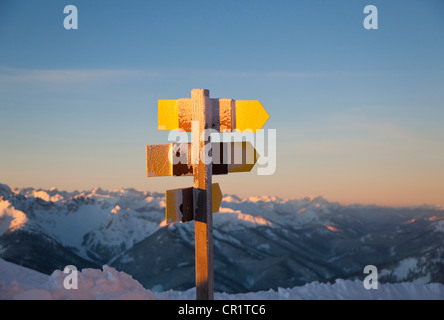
(179, 203)
(250, 115)
(230, 115)
(174, 159)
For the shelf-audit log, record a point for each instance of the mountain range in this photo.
(260, 243)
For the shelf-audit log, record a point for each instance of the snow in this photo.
(440, 226)
(403, 268)
(113, 219)
(263, 199)
(105, 216)
(70, 228)
(334, 229)
(46, 196)
(20, 283)
(10, 218)
(108, 284)
(409, 221)
(237, 214)
(340, 290)
(436, 218)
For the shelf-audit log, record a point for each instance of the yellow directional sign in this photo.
(179, 203)
(242, 156)
(174, 159)
(229, 115)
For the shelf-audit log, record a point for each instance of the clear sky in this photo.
(359, 113)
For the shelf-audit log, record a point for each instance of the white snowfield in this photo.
(19, 283)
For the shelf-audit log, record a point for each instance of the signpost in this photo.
(202, 158)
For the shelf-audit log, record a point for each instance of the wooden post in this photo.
(202, 172)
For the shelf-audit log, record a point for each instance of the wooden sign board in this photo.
(179, 203)
(232, 115)
(174, 159)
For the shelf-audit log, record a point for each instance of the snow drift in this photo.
(24, 284)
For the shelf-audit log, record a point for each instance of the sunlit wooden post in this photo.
(202, 172)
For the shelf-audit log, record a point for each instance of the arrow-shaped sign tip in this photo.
(250, 115)
(217, 197)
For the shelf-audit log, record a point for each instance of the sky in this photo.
(358, 114)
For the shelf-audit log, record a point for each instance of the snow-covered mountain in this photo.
(259, 242)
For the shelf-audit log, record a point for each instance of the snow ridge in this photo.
(109, 284)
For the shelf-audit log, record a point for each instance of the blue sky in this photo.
(359, 113)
